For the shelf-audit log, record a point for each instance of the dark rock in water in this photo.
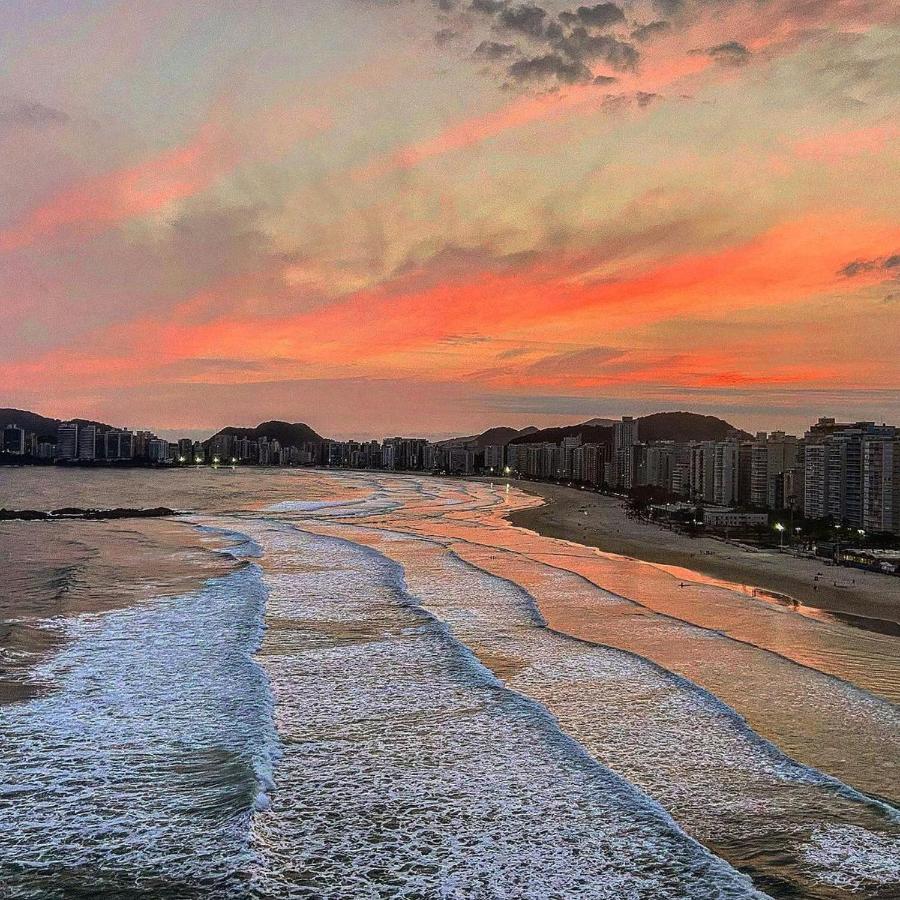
(120, 513)
(75, 512)
(26, 514)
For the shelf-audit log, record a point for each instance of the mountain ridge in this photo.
(288, 434)
(662, 426)
(43, 426)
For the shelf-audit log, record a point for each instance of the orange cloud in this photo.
(175, 174)
(402, 328)
(836, 146)
(128, 192)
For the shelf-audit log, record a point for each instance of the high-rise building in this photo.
(13, 440)
(815, 482)
(157, 450)
(67, 441)
(87, 442)
(222, 447)
(659, 464)
(726, 468)
(703, 471)
(847, 474)
(118, 445)
(493, 457)
(771, 457)
(881, 484)
(625, 436)
(594, 457)
(460, 461)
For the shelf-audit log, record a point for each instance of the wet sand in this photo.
(859, 598)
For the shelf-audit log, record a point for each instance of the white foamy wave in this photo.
(142, 768)
(679, 743)
(853, 858)
(408, 771)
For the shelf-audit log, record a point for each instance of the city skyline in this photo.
(838, 475)
(445, 215)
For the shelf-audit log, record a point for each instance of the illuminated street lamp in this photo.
(181, 459)
(780, 529)
(198, 460)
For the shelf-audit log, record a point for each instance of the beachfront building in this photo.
(625, 436)
(881, 485)
(158, 450)
(658, 463)
(720, 518)
(771, 457)
(493, 457)
(815, 487)
(13, 440)
(118, 445)
(67, 441)
(726, 464)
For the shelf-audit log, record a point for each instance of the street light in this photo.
(780, 529)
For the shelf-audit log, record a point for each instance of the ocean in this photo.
(320, 684)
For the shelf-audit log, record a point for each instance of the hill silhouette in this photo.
(663, 426)
(288, 434)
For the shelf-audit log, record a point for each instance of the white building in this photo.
(730, 518)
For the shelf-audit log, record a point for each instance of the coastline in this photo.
(595, 520)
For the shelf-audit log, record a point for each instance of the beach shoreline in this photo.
(596, 520)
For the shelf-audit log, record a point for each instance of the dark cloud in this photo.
(492, 50)
(600, 16)
(886, 264)
(605, 79)
(571, 40)
(488, 7)
(33, 115)
(525, 17)
(582, 46)
(650, 30)
(550, 65)
(445, 5)
(444, 36)
(644, 98)
(729, 54)
(668, 7)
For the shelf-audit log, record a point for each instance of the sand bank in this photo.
(599, 521)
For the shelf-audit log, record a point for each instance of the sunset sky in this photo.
(433, 216)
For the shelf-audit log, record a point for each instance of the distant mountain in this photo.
(500, 434)
(686, 426)
(43, 426)
(590, 434)
(606, 423)
(664, 426)
(288, 434)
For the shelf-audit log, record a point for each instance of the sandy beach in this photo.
(599, 521)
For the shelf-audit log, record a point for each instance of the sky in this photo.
(434, 216)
